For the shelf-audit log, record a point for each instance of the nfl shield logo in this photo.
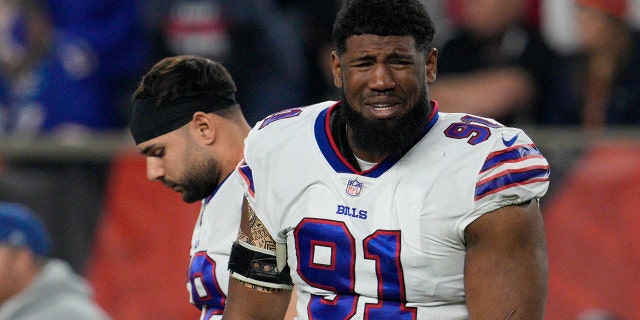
(354, 187)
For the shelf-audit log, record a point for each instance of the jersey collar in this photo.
(338, 162)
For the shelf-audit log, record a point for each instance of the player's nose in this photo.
(381, 78)
(155, 170)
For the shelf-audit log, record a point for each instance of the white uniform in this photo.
(214, 233)
(386, 243)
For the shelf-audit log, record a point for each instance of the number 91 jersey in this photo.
(213, 235)
(388, 242)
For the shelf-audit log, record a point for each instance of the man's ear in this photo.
(336, 69)
(432, 65)
(203, 127)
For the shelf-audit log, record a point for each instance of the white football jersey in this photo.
(388, 242)
(214, 233)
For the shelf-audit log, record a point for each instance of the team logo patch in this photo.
(354, 187)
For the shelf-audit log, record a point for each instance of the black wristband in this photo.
(257, 266)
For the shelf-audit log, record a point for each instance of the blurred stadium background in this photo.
(131, 237)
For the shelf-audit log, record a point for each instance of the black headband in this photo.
(148, 122)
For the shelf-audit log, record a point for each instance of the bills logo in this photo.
(354, 187)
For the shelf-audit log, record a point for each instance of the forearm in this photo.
(246, 301)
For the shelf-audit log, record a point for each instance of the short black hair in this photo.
(182, 76)
(383, 18)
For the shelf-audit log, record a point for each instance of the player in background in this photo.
(187, 123)
(33, 283)
(381, 207)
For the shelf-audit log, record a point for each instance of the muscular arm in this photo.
(250, 301)
(506, 270)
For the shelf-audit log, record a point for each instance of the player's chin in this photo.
(194, 195)
(189, 197)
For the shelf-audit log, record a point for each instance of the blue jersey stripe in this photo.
(511, 179)
(511, 154)
(324, 143)
(247, 175)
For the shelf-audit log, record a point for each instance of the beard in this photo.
(392, 137)
(200, 180)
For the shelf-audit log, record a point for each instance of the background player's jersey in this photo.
(386, 243)
(214, 233)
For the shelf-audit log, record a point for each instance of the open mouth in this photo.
(382, 106)
(384, 110)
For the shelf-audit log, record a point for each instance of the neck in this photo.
(233, 149)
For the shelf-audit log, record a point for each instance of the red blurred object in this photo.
(138, 265)
(593, 243)
(616, 8)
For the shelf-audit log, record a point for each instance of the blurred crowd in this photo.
(504, 60)
(67, 66)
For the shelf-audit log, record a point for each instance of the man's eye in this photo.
(401, 62)
(362, 64)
